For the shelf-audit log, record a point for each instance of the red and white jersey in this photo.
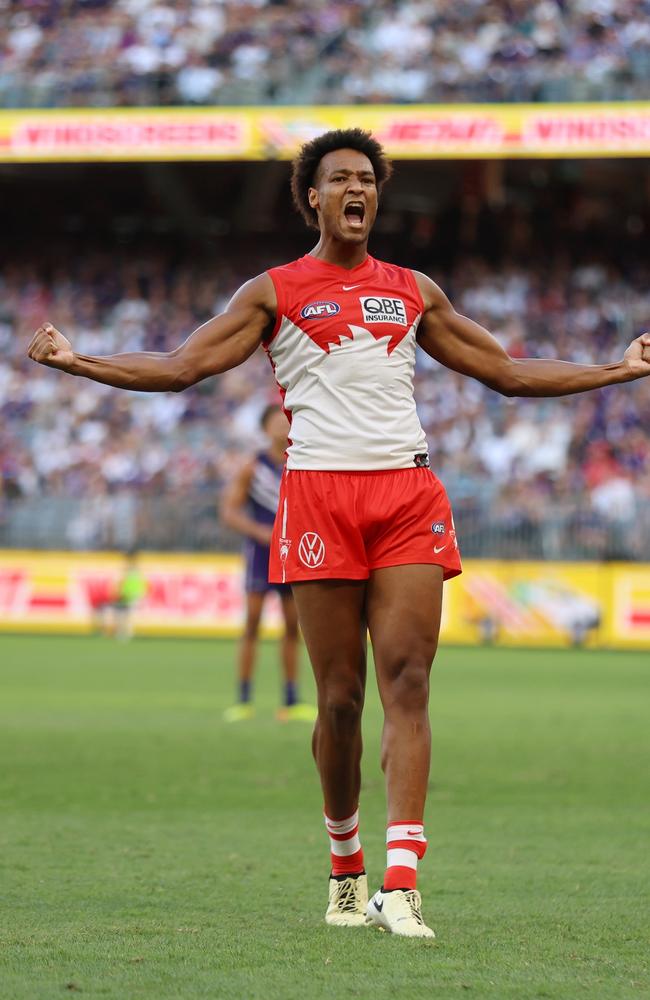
(343, 353)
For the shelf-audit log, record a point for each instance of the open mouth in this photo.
(355, 213)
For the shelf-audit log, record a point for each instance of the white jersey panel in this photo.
(352, 407)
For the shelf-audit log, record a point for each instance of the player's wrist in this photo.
(630, 369)
(73, 365)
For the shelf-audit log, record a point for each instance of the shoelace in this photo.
(415, 905)
(346, 896)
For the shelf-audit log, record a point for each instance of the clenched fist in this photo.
(637, 356)
(49, 347)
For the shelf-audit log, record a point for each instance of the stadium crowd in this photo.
(522, 461)
(58, 53)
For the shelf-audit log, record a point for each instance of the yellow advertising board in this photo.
(505, 603)
(64, 592)
(628, 619)
(422, 132)
(529, 604)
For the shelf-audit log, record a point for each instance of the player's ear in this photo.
(312, 196)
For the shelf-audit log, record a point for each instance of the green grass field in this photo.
(149, 851)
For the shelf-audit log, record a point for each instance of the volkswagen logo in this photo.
(311, 549)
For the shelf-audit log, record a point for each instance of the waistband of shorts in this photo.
(362, 472)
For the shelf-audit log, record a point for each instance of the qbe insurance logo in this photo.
(311, 550)
(379, 309)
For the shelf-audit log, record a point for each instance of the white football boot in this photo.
(398, 912)
(348, 901)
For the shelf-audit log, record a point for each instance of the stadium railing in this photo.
(190, 523)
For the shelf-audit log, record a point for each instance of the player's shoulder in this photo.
(432, 294)
(403, 280)
(298, 266)
(261, 457)
(391, 271)
(258, 291)
(246, 470)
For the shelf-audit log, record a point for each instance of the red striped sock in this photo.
(345, 847)
(405, 845)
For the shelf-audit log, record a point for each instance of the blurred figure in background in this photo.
(249, 506)
(115, 614)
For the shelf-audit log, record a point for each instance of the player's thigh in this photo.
(333, 623)
(404, 606)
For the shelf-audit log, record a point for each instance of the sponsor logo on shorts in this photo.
(320, 310)
(377, 309)
(439, 528)
(437, 549)
(285, 545)
(311, 550)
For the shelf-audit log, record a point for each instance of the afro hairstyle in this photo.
(305, 165)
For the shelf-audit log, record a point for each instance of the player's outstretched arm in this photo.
(220, 344)
(464, 346)
(233, 508)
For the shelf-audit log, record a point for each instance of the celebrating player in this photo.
(249, 506)
(364, 532)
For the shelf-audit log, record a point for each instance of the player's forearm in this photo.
(142, 371)
(542, 377)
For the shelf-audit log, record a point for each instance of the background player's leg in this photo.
(293, 708)
(403, 606)
(248, 644)
(332, 619)
(243, 709)
(289, 642)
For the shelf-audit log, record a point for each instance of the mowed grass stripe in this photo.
(147, 850)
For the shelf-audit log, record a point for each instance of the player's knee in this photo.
(340, 707)
(408, 688)
(251, 627)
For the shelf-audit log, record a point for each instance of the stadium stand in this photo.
(105, 53)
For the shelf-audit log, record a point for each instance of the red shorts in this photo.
(342, 525)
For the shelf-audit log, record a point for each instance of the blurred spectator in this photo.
(139, 52)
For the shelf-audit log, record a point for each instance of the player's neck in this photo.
(333, 251)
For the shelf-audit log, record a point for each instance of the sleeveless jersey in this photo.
(264, 489)
(343, 353)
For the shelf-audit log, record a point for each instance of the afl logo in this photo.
(320, 310)
(311, 550)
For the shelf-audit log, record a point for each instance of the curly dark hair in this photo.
(305, 165)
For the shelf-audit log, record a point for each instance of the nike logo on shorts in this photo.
(438, 549)
(348, 288)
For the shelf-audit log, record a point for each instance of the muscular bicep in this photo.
(458, 342)
(230, 338)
